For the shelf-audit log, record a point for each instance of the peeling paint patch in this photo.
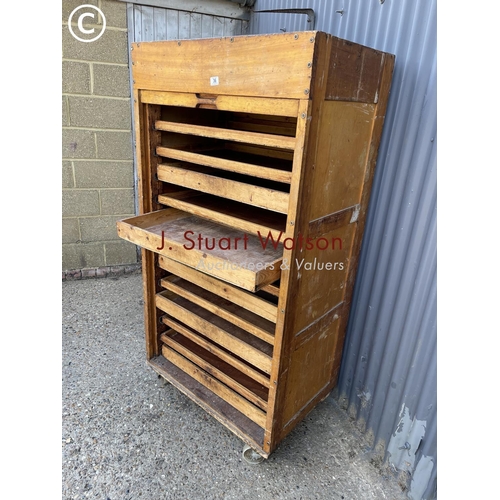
(355, 214)
(420, 478)
(365, 397)
(405, 440)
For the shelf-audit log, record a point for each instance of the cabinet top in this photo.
(281, 65)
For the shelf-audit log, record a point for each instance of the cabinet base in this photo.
(235, 421)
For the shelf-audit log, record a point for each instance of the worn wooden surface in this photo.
(283, 145)
(235, 295)
(341, 158)
(227, 310)
(257, 66)
(228, 395)
(217, 185)
(310, 367)
(388, 61)
(220, 352)
(236, 340)
(229, 213)
(147, 139)
(327, 223)
(321, 276)
(221, 252)
(355, 73)
(280, 107)
(225, 372)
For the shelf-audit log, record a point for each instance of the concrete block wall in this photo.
(97, 166)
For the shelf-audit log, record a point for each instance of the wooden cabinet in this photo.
(255, 158)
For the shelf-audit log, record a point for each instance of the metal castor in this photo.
(251, 456)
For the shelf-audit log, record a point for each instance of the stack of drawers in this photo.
(255, 158)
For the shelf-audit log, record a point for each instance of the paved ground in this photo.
(128, 434)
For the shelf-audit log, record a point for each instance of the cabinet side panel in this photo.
(318, 306)
(341, 160)
(321, 274)
(355, 72)
(383, 94)
(310, 369)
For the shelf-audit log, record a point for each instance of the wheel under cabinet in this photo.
(251, 456)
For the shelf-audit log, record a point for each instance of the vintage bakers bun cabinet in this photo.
(255, 158)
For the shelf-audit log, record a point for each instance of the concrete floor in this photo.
(128, 434)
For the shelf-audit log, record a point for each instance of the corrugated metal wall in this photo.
(388, 374)
(147, 23)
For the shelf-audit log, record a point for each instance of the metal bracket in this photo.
(311, 16)
(245, 3)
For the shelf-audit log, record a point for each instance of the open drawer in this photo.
(230, 255)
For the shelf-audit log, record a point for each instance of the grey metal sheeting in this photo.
(388, 375)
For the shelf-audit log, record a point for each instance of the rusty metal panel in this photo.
(388, 374)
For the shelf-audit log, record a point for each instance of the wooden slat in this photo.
(145, 221)
(269, 199)
(261, 125)
(240, 297)
(217, 368)
(184, 99)
(252, 412)
(272, 174)
(280, 154)
(272, 289)
(270, 140)
(258, 105)
(233, 214)
(179, 193)
(212, 304)
(221, 353)
(213, 332)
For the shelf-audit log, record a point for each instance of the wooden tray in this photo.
(237, 257)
